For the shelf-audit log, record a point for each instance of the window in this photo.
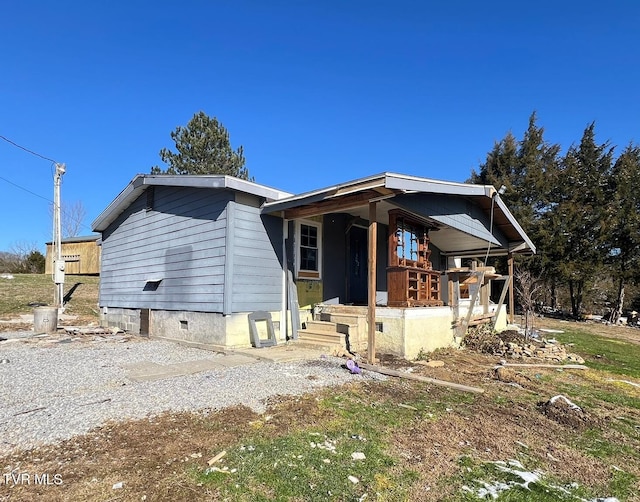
(308, 247)
(309, 250)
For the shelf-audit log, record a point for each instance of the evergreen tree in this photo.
(580, 214)
(623, 220)
(203, 147)
(528, 169)
(34, 263)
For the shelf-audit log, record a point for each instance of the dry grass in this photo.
(158, 457)
(19, 295)
(433, 434)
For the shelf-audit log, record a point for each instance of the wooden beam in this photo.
(543, 365)
(411, 376)
(473, 300)
(454, 301)
(332, 205)
(484, 294)
(371, 304)
(506, 286)
(511, 299)
(392, 244)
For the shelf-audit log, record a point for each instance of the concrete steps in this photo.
(352, 322)
(323, 335)
(306, 335)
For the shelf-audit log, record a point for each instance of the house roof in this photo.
(79, 238)
(461, 232)
(142, 181)
(467, 219)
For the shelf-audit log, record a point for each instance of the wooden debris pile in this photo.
(70, 334)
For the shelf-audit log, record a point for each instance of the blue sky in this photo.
(317, 92)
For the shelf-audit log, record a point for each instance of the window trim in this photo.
(300, 272)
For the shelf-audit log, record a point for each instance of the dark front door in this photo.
(357, 266)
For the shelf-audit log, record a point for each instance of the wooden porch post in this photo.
(371, 303)
(511, 300)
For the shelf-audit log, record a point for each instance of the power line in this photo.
(25, 189)
(26, 149)
(65, 211)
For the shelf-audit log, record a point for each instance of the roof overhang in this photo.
(142, 181)
(77, 239)
(503, 236)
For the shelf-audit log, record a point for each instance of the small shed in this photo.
(80, 254)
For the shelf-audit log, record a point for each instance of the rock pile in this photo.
(542, 350)
(512, 344)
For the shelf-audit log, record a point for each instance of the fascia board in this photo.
(130, 193)
(410, 183)
(139, 183)
(317, 195)
(217, 181)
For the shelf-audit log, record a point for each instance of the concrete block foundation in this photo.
(201, 328)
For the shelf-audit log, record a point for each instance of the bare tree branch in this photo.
(528, 289)
(72, 215)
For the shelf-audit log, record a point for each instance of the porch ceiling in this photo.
(448, 239)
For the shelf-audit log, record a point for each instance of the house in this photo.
(80, 254)
(390, 261)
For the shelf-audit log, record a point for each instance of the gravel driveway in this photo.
(54, 392)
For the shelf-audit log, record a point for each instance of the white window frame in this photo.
(300, 272)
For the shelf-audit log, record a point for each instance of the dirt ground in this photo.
(153, 456)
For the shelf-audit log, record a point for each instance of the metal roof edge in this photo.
(139, 183)
(79, 238)
(415, 183)
(135, 186)
(216, 181)
(315, 195)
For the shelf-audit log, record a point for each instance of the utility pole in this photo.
(58, 263)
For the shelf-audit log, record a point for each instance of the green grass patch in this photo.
(514, 482)
(602, 353)
(623, 484)
(594, 443)
(18, 295)
(307, 466)
(503, 481)
(319, 464)
(589, 395)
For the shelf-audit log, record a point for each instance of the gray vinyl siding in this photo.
(256, 278)
(181, 241)
(454, 211)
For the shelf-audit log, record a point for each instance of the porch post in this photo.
(511, 301)
(371, 304)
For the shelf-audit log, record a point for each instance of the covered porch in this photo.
(396, 263)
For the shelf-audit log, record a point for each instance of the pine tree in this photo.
(203, 147)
